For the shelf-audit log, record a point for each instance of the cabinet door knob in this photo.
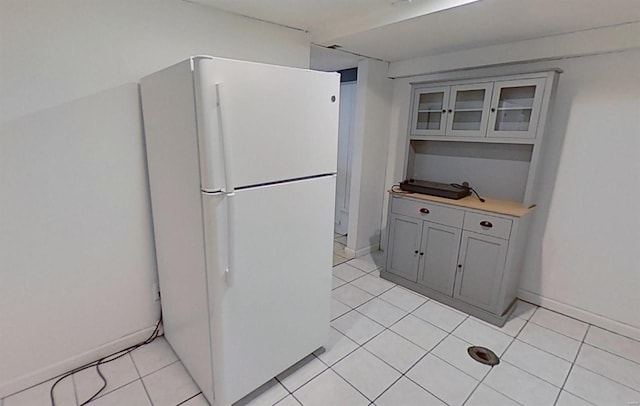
(422, 253)
(450, 111)
(444, 110)
(416, 251)
(424, 210)
(493, 109)
(459, 265)
(486, 224)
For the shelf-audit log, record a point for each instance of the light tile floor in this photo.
(392, 347)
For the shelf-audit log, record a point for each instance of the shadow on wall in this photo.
(379, 257)
(546, 182)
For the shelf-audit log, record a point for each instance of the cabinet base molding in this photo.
(451, 302)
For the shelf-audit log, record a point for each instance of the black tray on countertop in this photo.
(434, 189)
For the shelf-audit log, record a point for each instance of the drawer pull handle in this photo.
(486, 224)
(424, 211)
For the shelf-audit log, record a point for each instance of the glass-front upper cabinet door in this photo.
(515, 108)
(469, 110)
(429, 110)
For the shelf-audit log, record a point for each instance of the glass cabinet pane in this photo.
(515, 106)
(469, 99)
(516, 97)
(468, 110)
(467, 120)
(429, 120)
(513, 120)
(431, 101)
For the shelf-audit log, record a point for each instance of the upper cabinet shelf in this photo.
(505, 108)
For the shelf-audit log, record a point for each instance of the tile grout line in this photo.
(75, 390)
(609, 352)
(604, 376)
(601, 375)
(555, 331)
(113, 389)
(583, 343)
(490, 370)
(513, 339)
(542, 349)
(527, 372)
(402, 374)
(140, 378)
(161, 368)
(572, 364)
(186, 400)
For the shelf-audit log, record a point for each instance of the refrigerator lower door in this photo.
(277, 309)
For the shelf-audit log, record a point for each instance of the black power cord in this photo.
(105, 360)
(466, 186)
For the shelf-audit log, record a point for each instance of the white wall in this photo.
(587, 225)
(370, 140)
(580, 257)
(77, 260)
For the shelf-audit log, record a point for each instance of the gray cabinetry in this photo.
(466, 258)
(480, 269)
(423, 252)
(438, 256)
(502, 107)
(403, 249)
(487, 131)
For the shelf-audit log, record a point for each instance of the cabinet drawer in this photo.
(428, 211)
(486, 224)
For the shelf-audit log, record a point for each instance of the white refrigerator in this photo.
(242, 161)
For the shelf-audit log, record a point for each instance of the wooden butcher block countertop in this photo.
(471, 202)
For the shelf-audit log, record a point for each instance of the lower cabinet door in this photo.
(438, 256)
(478, 280)
(404, 243)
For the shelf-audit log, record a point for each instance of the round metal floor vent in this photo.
(483, 355)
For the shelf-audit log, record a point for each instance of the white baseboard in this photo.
(361, 251)
(349, 253)
(42, 375)
(580, 314)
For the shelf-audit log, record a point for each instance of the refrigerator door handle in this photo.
(208, 127)
(230, 268)
(224, 139)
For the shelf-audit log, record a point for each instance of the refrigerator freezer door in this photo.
(279, 123)
(277, 309)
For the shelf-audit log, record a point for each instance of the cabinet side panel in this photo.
(174, 177)
(515, 258)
